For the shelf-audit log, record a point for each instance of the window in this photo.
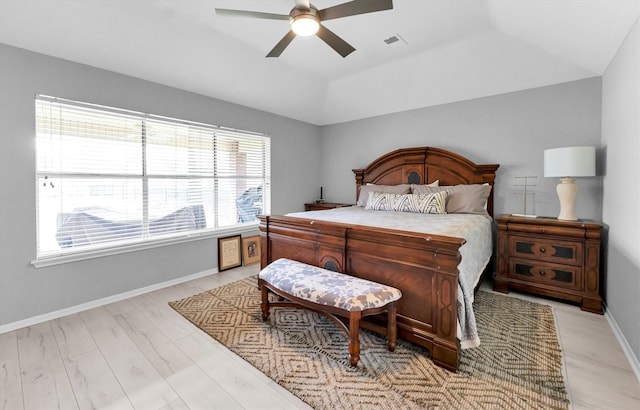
(108, 177)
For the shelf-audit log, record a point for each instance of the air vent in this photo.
(395, 41)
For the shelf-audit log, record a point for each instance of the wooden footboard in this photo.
(423, 267)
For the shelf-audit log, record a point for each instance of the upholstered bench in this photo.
(330, 293)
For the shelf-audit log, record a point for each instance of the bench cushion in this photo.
(328, 288)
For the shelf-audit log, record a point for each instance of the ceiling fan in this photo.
(305, 20)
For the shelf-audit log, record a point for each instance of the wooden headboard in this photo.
(423, 165)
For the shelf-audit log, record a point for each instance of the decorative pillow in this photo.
(423, 203)
(365, 190)
(433, 184)
(462, 199)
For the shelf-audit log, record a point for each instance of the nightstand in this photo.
(550, 257)
(319, 206)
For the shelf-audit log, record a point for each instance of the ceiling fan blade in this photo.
(342, 47)
(282, 44)
(353, 8)
(305, 4)
(254, 14)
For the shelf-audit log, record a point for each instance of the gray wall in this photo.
(510, 129)
(25, 291)
(621, 209)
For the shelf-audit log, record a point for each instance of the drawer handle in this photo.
(543, 231)
(543, 250)
(542, 273)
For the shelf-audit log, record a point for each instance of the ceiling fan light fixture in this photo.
(306, 20)
(305, 25)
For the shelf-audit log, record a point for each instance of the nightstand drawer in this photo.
(564, 276)
(562, 231)
(564, 252)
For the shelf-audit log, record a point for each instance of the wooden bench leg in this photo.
(392, 330)
(354, 337)
(264, 306)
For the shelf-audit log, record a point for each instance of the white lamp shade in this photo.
(570, 162)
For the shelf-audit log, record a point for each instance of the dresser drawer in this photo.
(564, 276)
(547, 250)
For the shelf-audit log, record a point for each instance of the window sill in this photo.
(99, 253)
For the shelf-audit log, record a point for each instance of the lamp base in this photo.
(567, 191)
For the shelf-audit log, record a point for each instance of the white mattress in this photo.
(475, 253)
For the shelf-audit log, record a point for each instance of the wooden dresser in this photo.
(319, 206)
(550, 257)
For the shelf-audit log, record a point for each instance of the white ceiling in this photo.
(457, 49)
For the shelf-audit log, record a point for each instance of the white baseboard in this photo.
(628, 352)
(100, 302)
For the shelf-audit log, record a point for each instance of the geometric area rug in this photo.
(518, 364)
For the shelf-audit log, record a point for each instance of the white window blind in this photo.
(108, 177)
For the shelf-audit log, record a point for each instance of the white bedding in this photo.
(476, 252)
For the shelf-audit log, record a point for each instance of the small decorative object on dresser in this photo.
(319, 206)
(550, 257)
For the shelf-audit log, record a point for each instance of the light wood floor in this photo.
(138, 353)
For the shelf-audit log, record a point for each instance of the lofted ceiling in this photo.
(456, 49)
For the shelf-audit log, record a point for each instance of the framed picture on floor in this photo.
(229, 252)
(251, 250)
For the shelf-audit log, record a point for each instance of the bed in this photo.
(424, 265)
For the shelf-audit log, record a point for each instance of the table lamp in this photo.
(568, 163)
